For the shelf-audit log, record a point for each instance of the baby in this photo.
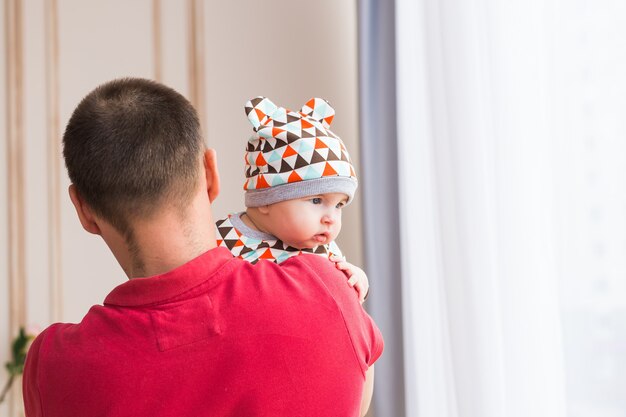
(298, 179)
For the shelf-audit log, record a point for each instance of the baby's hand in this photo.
(356, 277)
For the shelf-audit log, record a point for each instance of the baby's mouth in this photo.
(321, 237)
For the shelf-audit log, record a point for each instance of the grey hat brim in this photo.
(284, 192)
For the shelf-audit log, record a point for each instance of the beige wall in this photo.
(220, 56)
(4, 281)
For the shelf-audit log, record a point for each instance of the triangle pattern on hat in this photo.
(267, 147)
(341, 167)
(293, 146)
(294, 177)
(277, 180)
(292, 137)
(329, 171)
(319, 144)
(316, 157)
(332, 157)
(281, 135)
(311, 173)
(305, 146)
(300, 162)
(307, 133)
(253, 104)
(323, 152)
(293, 128)
(264, 133)
(289, 151)
(279, 144)
(307, 155)
(261, 183)
(267, 106)
(291, 160)
(335, 147)
(280, 114)
(320, 109)
(274, 156)
(260, 161)
(305, 124)
(285, 167)
(259, 115)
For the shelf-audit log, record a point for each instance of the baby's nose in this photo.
(328, 219)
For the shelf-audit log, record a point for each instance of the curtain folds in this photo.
(379, 191)
(479, 281)
(479, 286)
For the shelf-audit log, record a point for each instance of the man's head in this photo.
(131, 146)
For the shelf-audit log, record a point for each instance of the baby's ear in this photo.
(258, 110)
(320, 110)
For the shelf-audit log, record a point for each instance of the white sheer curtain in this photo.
(475, 106)
(590, 91)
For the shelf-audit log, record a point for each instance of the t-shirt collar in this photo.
(159, 288)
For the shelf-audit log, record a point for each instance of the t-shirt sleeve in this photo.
(366, 338)
(30, 379)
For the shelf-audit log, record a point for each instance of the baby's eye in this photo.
(316, 200)
(340, 205)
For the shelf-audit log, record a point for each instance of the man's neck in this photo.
(167, 246)
(163, 242)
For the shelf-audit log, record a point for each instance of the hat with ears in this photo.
(294, 154)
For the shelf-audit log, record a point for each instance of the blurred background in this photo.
(489, 139)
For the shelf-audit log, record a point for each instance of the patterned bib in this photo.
(252, 249)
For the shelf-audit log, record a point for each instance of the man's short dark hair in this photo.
(131, 145)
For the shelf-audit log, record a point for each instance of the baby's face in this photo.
(307, 222)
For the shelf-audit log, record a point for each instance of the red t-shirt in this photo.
(217, 336)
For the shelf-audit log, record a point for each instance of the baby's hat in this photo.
(294, 154)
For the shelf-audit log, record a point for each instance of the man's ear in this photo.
(212, 174)
(86, 217)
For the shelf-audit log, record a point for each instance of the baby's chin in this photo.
(300, 246)
(313, 243)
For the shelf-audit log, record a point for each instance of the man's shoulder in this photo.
(66, 337)
(365, 335)
(319, 268)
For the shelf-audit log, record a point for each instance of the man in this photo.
(194, 332)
